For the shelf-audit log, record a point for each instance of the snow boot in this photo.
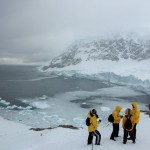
(112, 139)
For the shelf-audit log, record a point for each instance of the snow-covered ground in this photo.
(15, 136)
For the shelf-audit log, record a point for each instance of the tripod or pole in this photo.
(92, 143)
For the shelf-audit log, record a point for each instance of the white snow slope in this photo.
(15, 136)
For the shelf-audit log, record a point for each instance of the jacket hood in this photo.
(135, 105)
(128, 111)
(118, 108)
(90, 114)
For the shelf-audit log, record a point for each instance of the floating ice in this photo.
(4, 102)
(66, 108)
(85, 105)
(41, 105)
(105, 108)
(18, 107)
(12, 107)
(29, 107)
(43, 97)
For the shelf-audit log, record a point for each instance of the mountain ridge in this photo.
(102, 49)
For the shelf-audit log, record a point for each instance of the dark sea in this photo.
(27, 81)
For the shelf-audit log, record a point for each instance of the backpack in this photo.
(128, 123)
(111, 118)
(87, 121)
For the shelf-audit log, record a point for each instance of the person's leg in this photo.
(90, 138)
(113, 132)
(125, 136)
(132, 136)
(98, 137)
(134, 131)
(117, 130)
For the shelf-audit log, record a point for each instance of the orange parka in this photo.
(116, 114)
(135, 112)
(125, 119)
(93, 122)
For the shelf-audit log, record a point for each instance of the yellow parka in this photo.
(135, 112)
(125, 119)
(116, 114)
(93, 122)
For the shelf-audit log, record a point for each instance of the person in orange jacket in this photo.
(128, 125)
(117, 118)
(92, 128)
(136, 114)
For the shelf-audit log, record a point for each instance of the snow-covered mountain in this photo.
(122, 60)
(105, 49)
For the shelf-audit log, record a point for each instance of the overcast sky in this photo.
(34, 31)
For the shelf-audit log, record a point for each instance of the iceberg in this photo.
(43, 97)
(4, 102)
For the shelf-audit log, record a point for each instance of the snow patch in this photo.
(41, 105)
(105, 109)
(20, 137)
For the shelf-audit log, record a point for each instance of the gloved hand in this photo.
(99, 120)
(121, 116)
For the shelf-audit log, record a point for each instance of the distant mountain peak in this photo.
(129, 46)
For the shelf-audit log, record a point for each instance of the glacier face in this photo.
(109, 77)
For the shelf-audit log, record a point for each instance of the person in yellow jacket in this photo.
(128, 125)
(117, 118)
(136, 114)
(92, 128)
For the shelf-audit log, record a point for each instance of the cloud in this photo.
(44, 28)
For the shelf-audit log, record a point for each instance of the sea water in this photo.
(39, 99)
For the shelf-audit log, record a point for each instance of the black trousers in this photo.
(97, 134)
(115, 131)
(134, 131)
(126, 133)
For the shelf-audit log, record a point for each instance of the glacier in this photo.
(121, 59)
(132, 73)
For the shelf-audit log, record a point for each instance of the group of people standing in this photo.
(129, 123)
